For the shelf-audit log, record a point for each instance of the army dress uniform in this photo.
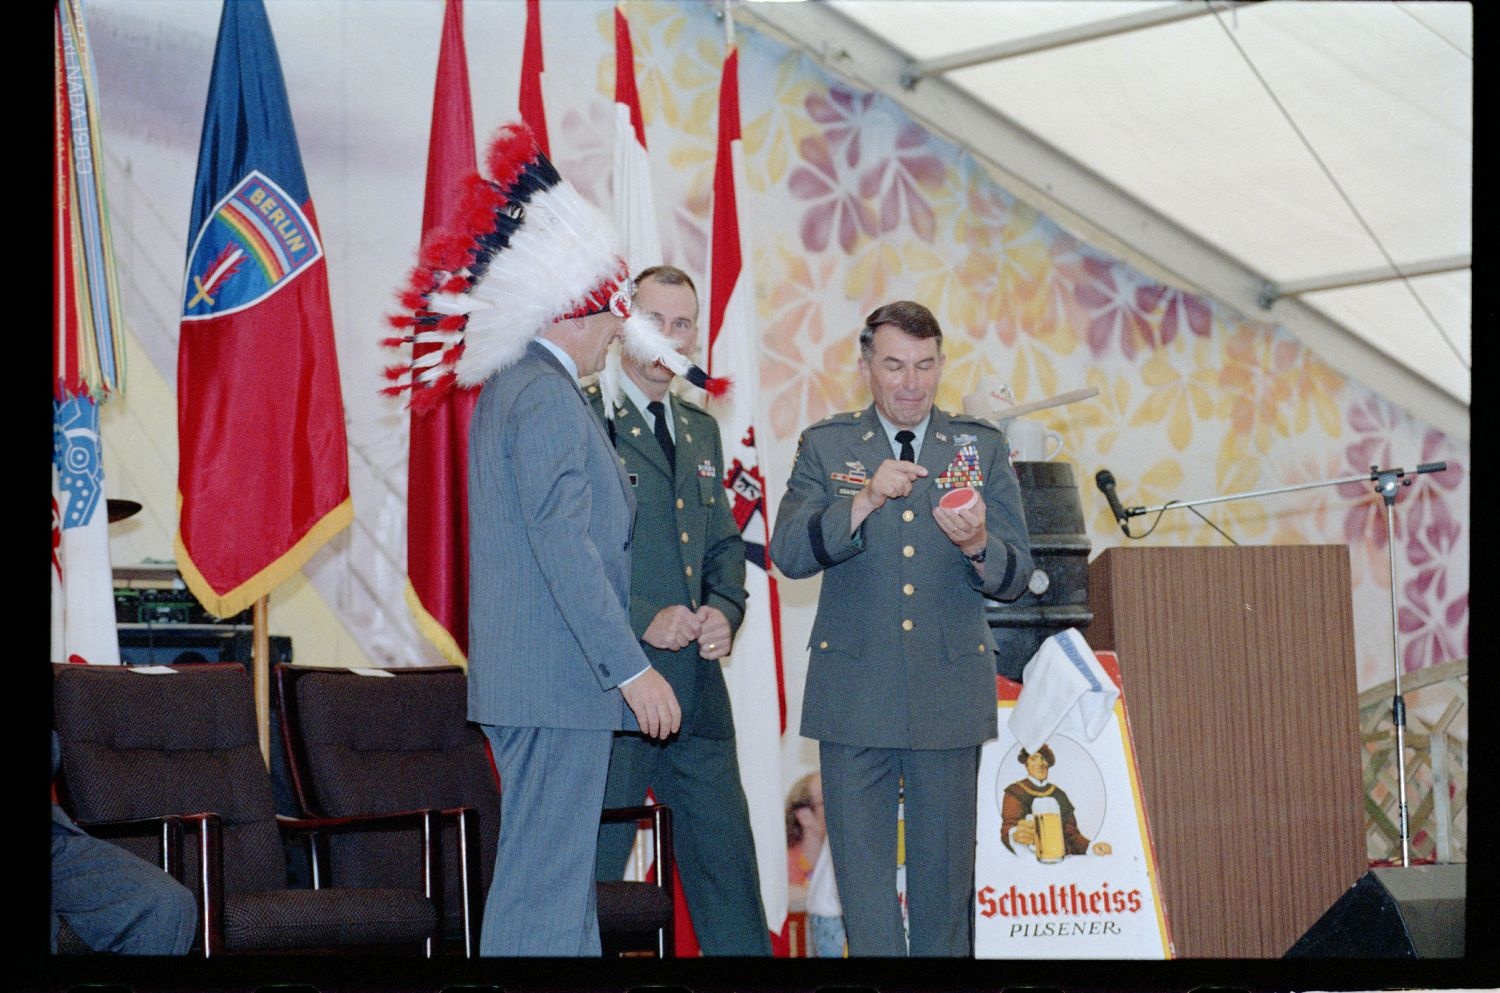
(902, 663)
(687, 551)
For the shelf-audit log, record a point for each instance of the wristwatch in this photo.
(977, 557)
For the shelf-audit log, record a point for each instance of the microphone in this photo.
(1105, 480)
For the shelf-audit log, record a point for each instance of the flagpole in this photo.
(261, 670)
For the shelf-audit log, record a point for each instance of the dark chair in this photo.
(357, 743)
(149, 759)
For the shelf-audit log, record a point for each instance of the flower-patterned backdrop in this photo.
(850, 205)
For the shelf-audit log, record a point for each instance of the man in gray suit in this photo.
(553, 662)
(687, 597)
(521, 295)
(901, 683)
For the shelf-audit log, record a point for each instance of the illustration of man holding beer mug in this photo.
(1039, 815)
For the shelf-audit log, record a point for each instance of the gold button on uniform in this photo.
(685, 537)
(907, 625)
(679, 502)
(907, 515)
(822, 644)
(908, 551)
(688, 570)
(908, 589)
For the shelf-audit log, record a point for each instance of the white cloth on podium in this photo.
(1065, 689)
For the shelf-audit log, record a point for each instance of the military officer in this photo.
(687, 597)
(901, 683)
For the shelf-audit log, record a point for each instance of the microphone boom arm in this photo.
(1374, 474)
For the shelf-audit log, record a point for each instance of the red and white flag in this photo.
(754, 672)
(635, 204)
(437, 496)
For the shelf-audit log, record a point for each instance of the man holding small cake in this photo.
(901, 683)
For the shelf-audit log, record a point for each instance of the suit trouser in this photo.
(699, 778)
(860, 791)
(116, 901)
(542, 900)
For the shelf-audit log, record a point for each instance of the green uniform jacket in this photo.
(687, 548)
(902, 656)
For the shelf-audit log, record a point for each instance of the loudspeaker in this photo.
(169, 644)
(1398, 912)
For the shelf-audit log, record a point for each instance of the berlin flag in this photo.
(754, 673)
(263, 473)
(437, 496)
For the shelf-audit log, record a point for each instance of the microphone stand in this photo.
(1386, 483)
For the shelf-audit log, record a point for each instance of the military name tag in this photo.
(963, 470)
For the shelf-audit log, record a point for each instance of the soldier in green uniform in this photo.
(687, 597)
(901, 683)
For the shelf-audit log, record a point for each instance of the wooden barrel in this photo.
(1058, 595)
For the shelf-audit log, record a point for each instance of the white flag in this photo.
(635, 206)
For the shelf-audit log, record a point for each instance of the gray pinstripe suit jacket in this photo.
(550, 522)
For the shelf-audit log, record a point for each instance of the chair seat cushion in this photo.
(276, 919)
(632, 907)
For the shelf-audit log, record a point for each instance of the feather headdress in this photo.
(524, 251)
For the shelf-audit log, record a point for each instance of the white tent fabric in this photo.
(1186, 137)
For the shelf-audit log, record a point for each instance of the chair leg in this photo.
(666, 940)
(431, 887)
(468, 862)
(211, 882)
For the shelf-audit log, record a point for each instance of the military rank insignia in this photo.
(963, 470)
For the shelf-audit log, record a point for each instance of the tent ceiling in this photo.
(1265, 154)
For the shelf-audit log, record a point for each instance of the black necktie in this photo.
(663, 436)
(906, 438)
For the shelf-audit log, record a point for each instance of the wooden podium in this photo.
(1238, 667)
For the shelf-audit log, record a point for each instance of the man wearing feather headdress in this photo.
(522, 298)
